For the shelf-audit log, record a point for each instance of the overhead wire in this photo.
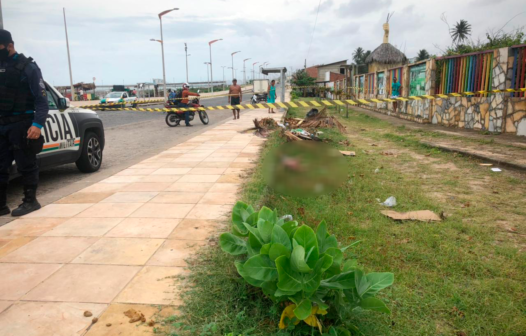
(314, 29)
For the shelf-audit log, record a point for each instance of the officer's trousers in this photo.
(13, 146)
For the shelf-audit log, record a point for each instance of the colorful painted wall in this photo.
(492, 70)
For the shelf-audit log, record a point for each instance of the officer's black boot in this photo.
(4, 209)
(30, 202)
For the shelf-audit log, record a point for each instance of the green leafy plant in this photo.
(303, 269)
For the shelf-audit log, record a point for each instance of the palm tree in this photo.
(422, 55)
(357, 56)
(460, 31)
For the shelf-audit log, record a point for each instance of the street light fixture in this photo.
(235, 52)
(244, 71)
(162, 44)
(211, 71)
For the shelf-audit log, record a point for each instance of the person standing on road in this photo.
(171, 95)
(23, 112)
(184, 102)
(271, 95)
(395, 92)
(235, 97)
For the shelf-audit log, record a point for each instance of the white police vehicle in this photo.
(72, 135)
(119, 97)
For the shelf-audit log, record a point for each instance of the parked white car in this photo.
(120, 97)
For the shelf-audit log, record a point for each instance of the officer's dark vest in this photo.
(15, 93)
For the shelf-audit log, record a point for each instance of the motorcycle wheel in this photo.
(204, 117)
(172, 120)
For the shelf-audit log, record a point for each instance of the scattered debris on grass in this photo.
(290, 136)
(496, 170)
(389, 202)
(265, 123)
(322, 120)
(389, 153)
(87, 313)
(486, 164)
(314, 112)
(346, 143)
(348, 153)
(422, 215)
(135, 316)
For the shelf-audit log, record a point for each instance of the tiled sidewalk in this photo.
(118, 244)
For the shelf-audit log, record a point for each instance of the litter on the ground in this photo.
(389, 202)
(421, 215)
(265, 123)
(496, 169)
(301, 133)
(291, 137)
(345, 143)
(486, 164)
(313, 112)
(287, 218)
(348, 153)
(377, 170)
(282, 126)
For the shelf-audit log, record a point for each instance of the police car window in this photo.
(124, 95)
(51, 100)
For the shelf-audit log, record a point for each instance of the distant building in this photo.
(386, 55)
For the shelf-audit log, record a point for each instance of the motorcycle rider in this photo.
(184, 102)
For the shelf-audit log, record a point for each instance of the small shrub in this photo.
(302, 270)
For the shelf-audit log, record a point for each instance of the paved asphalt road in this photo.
(130, 137)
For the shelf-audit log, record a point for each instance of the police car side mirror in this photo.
(63, 103)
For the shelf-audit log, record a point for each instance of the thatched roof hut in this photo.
(386, 55)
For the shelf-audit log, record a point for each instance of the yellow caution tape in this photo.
(302, 103)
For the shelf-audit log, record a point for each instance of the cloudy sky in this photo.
(109, 39)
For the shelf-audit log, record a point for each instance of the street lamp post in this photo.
(162, 45)
(211, 71)
(233, 63)
(186, 53)
(69, 59)
(223, 77)
(253, 71)
(161, 42)
(208, 74)
(244, 71)
(1, 19)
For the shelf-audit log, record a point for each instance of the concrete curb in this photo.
(476, 156)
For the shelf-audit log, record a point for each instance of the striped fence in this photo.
(518, 77)
(466, 73)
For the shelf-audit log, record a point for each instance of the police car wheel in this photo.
(90, 158)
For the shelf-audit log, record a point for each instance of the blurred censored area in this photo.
(305, 169)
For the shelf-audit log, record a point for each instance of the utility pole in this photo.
(69, 58)
(253, 71)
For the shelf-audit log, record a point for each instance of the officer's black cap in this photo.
(5, 37)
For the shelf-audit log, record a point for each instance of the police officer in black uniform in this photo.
(23, 113)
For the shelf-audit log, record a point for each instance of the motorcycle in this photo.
(174, 118)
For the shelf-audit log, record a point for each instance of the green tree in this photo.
(301, 78)
(422, 55)
(460, 32)
(357, 55)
